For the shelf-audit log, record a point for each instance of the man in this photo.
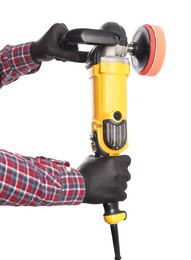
(40, 181)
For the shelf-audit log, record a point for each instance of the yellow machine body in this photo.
(109, 124)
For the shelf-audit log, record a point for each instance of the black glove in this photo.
(48, 47)
(105, 178)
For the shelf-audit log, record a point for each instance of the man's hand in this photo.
(47, 47)
(105, 178)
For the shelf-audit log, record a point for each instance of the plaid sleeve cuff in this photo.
(16, 61)
(38, 181)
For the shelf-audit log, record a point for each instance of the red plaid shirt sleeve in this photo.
(38, 181)
(16, 61)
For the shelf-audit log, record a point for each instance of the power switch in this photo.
(117, 115)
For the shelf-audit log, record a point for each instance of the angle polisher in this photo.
(109, 69)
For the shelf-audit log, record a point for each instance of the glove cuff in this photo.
(33, 53)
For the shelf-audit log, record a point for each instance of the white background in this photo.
(49, 113)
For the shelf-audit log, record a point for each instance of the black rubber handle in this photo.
(90, 37)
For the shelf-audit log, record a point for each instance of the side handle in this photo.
(90, 37)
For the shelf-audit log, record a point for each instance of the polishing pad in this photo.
(149, 47)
